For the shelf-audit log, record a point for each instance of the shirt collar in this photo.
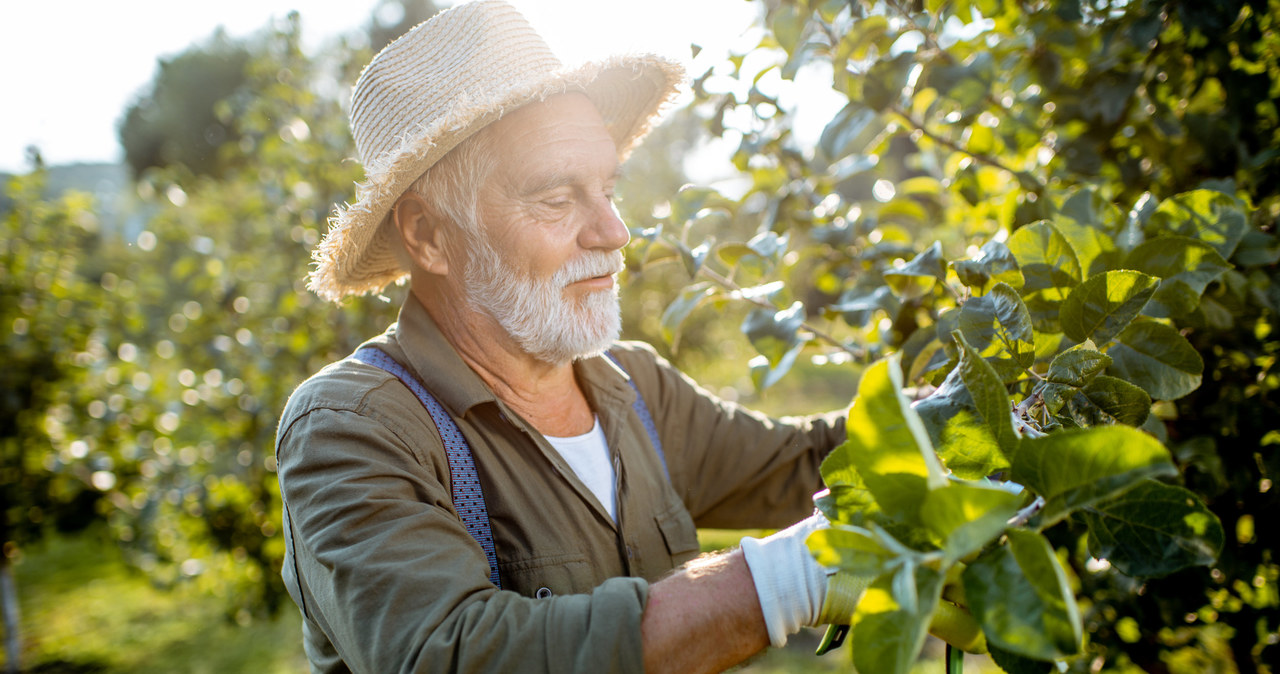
(416, 341)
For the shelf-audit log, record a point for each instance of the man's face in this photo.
(550, 243)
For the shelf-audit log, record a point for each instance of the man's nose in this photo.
(606, 230)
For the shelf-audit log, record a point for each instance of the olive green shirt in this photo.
(389, 580)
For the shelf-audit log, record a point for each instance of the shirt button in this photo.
(543, 593)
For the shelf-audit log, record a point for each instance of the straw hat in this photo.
(438, 84)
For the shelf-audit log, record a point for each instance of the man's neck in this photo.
(545, 394)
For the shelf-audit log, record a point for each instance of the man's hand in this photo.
(790, 583)
(794, 590)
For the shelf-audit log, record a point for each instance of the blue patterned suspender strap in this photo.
(642, 410)
(468, 498)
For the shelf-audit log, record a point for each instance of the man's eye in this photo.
(558, 203)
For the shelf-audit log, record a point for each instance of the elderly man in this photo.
(494, 483)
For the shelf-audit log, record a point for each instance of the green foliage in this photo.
(48, 312)
(1048, 231)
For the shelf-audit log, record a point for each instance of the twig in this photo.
(1024, 427)
(948, 143)
(1023, 516)
(928, 36)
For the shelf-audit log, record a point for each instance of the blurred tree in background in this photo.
(148, 368)
(174, 122)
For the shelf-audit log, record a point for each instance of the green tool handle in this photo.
(955, 660)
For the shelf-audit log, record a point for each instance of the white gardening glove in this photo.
(792, 587)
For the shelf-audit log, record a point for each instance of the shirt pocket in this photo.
(679, 533)
(547, 576)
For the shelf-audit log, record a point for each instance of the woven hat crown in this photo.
(438, 84)
(465, 56)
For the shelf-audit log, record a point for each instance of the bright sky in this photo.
(72, 66)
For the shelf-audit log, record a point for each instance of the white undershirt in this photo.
(588, 456)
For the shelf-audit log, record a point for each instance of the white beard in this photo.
(536, 313)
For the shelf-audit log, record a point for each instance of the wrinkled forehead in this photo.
(563, 134)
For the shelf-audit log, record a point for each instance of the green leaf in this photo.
(888, 445)
(883, 84)
(765, 373)
(1077, 366)
(690, 200)
(1102, 402)
(1125, 403)
(1206, 215)
(858, 305)
(851, 549)
(1185, 267)
(1088, 221)
(1095, 249)
(1154, 530)
(692, 258)
(681, 308)
(965, 84)
(788, 24)
(1055, 396)
(965, 442)
(1019, 594)
(1076, 468)
(850, 131)
(769, 245)
(1050, 269)
(774, 333)
(966, 517)
(1105, 304)
(998, 324)
(731, 253)
(1012, 663)
(1257, 249)
(928, 264)
(1157, 358)
(864, 35)
(892, 620)
(1045, 257)
(989, 395)
(762, 291)
(1135, 224)
(1087, 206)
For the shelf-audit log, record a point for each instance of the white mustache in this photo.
(588, 266)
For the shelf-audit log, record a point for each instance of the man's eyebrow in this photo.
(559, 178)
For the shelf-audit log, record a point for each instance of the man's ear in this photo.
(422, 232)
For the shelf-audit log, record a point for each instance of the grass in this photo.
(85, 610)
